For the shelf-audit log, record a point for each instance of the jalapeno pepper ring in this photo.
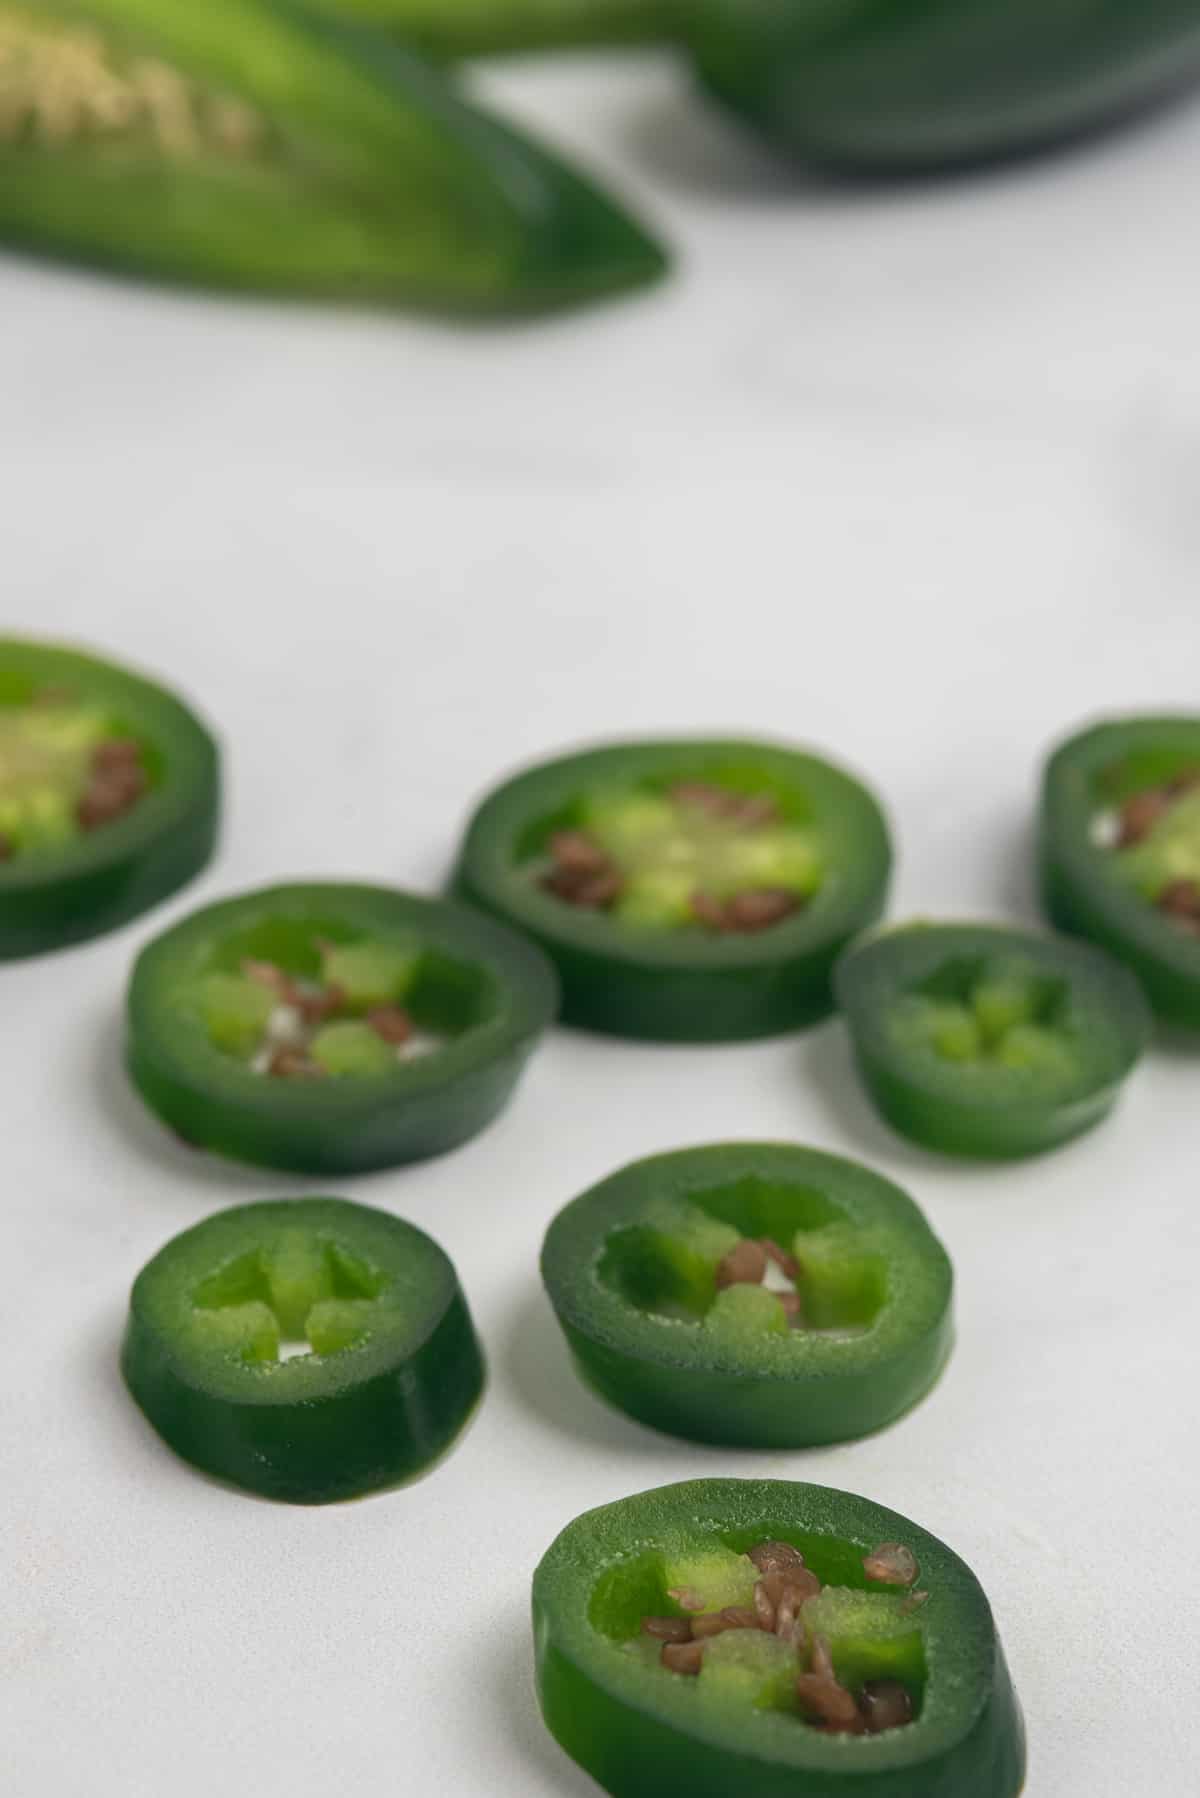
(686, 891)
(755, 1294)
(1119, 851)
(108, 796)
(387, 1370)
(333, 1028)
(984, 1041)
(611, 1696)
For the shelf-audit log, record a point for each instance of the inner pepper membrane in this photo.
(63, 83)
(685, 1262)
(67, 768)
(696, 854)
(304, 1289)
(1154, 836)
(818, 1631)
(988, 1013)
(340, 1009)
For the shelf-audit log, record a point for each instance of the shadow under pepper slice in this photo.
(331, 1028)
(739, 1716)
(686, 891)
(243, 144)
(1119, 851)
(385, 1367)
(979, 1040)
(108, 796)
(755, 1294)
(908, 85)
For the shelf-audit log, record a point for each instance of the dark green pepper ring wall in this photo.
(683, 986)
(109, 875)
(791, 1391)
(641, 1731)
(1081, 887)
(983, 1108)
(398, 1372)
(913, 85)
(493, 992)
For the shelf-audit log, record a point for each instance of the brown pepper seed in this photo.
(708, 911)
(787, 1264)
(1180, 899)
(108, 797)
(668, 1629)
(265, 973)
(885, 1704)
(793, 1594)
(115, 752)
(744, 1265)
(686, 1597)
(759, 909)
(764, 1608)
(913, 1602)
(1138, 816)
(293, 1064)
(892, 1564)
(793, 1310)
(734, 1616)
(776, 1557)
(390, 1022)
(683, 1657)
(576, 853)
(830, 1704)
(593, 891)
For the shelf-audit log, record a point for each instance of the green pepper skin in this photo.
(314, 1429)
(1081, 889)
(640, 1733)
(682, 986)
(107, 876)
(668, 1375)
(985, 1113)
(456, 28)
(913, 85)
(375, 181)
(500, 991)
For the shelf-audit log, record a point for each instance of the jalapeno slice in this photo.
(755, 1294)
(686, 891)
(1119, 851)
(108, 796)
(306, 1349)
(652, 1676)
(331, 1028)
(256, 146)
(980, 1040)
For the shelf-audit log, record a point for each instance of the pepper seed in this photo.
(683, 1657)
(744, 1265)
(892, 1564)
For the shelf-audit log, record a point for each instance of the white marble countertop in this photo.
(910, 475)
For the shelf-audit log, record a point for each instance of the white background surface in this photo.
(910, 475)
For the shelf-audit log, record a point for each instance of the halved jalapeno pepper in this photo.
(686, 891)
(1119, 851)
(766, 1639)
(108, 796)
(980, 1040)
(751, 1293)
(384, 1368)
(253, 145)
(330, 1028)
